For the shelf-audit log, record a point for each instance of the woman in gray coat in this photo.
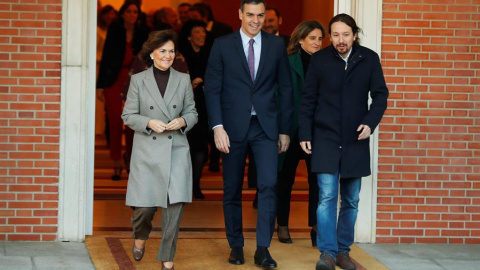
(160, 109)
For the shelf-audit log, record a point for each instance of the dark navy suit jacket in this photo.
(230, 92)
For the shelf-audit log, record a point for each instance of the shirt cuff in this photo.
(217, 126)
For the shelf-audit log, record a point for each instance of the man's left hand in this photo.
(283, 143)
(364, 132)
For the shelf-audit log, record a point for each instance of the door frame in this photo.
(368, 15)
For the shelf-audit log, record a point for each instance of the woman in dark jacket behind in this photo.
(195, 47)
(306, 39)
(124, 40)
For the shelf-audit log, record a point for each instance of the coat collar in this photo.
(152, 88)
(296, 64)
(355, 57)
(263, 56)
(356, 51)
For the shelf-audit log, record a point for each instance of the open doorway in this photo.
(110, 213)
(109, 208)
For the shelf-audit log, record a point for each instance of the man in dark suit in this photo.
(243, 71)
(273, 20)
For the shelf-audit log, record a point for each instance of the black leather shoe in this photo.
(262, 257)
(284, 235)
(137, 253)
(236, 256)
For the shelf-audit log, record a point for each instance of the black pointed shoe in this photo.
(236, 256)
(262, 257)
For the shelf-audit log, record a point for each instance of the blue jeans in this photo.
(336, 237)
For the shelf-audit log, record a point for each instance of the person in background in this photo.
(196, 52)
(244, 111)
(335, 124)
(183, 12)
(124, 39)
(166, 18)
(203, 11)
(106, 16)
(273, 21)
(142, 16)
(161, 110)
(217, 28)
(306, 40)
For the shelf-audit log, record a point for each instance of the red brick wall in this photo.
(429, 173)
(30, 53)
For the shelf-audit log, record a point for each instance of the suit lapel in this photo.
(152, 88)
(172, 86)
(263, 56)
(237, 40)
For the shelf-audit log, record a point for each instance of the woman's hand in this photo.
(306, 147)
(176, 124)
(196, 82)
(156, 125)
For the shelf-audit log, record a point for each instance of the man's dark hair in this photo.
(157, 39)
(255, 2)
(207, 9)
(348, 20)
(201, 10)
(184, 4)
(277, 13)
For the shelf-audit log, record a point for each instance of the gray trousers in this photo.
(171, 216)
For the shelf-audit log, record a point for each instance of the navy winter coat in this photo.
(335, 102)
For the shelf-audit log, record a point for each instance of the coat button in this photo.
(154, 138)
(174, 106)
(151, 107)
(170, 137)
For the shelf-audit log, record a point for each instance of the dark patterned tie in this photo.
(251, 59)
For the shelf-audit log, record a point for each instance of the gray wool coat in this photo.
(160, 166)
